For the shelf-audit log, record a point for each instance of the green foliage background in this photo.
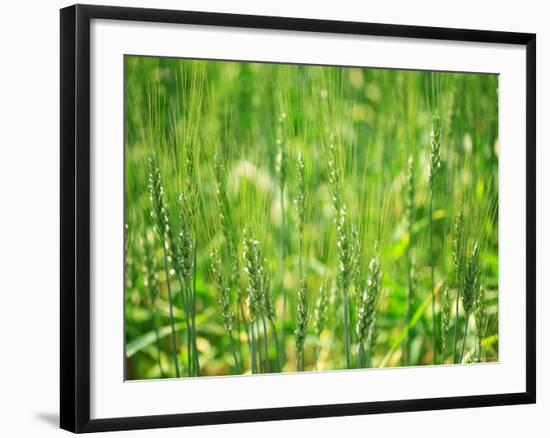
(376, 119)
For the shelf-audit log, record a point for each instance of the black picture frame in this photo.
(75, 217)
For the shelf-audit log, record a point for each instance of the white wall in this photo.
(29, 206)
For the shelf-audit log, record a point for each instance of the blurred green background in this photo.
(188, 112)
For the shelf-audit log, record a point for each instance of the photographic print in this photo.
(283, 218)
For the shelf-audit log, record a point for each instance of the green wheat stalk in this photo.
(281, 171)
(344, 244)
(458, 263)
(320, 316)
(254, 267)
(159, 216)
(224, 301)
(435, 167)
(188, 214)
(445, 321)
(480, 316)
(226, 218)
(410, 213)
(151, 282)
(269, 310)
(229, 230)
(253, 294)
(470, 290)
(366, 314)
(182, 254)
(302, 309)
(266, 303)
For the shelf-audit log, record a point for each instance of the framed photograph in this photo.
(268, 218)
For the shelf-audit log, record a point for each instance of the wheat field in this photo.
(284, 218)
